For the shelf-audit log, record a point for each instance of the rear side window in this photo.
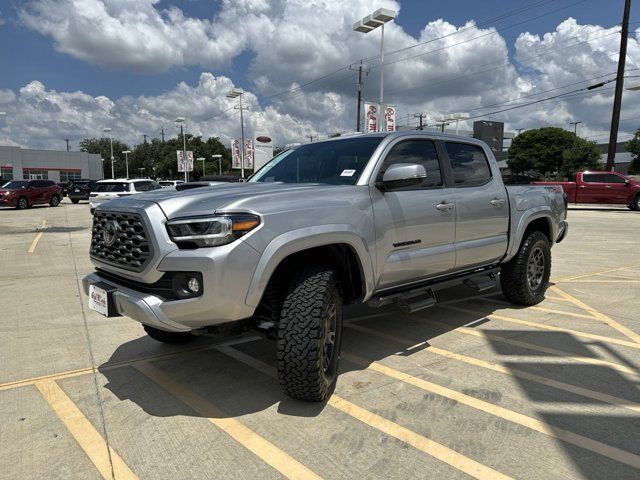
(422, 152)
(146, 186)
(112, 187)
(469, 164)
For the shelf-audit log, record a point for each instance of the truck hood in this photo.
(258, 197)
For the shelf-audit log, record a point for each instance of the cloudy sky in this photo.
(69, 68)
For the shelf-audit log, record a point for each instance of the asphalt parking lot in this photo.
(474, 387)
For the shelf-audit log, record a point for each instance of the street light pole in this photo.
(219, 157)
(202, 159)
(126, 160)
(108, 130)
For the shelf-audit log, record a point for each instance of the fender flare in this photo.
(518, 233)
(302, 239)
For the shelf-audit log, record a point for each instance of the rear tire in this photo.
(54, 201)
(168, 337)
(525, 278)
(310, 335)
(22, 203)
(75, 201)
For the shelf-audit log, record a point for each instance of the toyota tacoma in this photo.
(386, 219)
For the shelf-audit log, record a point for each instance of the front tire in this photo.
(54, 201)
(635, 206)
(525, 278)
(22, 203)
(168, 337)
(310, 335)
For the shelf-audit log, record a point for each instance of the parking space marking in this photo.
(34, 244)
(259, 446)
(548, 310)
(576, 277)
(543, 326)
(124, 363)
(539, 348)
(419, 442)
(567, 436)
(599, 315)
(558, 385)
(106, 460)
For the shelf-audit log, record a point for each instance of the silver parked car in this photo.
(380, 218)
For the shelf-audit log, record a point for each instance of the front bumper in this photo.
(6, 202)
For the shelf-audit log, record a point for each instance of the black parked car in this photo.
(80, 189)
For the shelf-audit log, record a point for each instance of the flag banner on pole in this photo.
(236, 158)
(370, 117)
(390, 118)
(248, 154)
(181, 163)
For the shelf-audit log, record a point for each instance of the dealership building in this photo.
(60, 166)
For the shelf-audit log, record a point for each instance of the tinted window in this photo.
(611, 178)
(146, 186)
(112, 187)
(469, 164)
(166, 184)
(422, 152)
(15, 184)
(48, 183)
(338, 162)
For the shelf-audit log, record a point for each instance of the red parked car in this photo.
(601, 187)
(24, 193)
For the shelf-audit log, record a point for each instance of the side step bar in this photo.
(418, 298)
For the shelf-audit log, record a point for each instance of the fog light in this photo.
(193, 285)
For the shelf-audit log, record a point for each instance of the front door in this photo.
(482, 206)
(414, 226)
(616, 189)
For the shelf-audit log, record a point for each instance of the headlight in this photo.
(210, 231)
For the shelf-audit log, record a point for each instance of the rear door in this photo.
(482, 207)
(414, 226)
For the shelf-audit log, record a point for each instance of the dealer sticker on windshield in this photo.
(347, 173)
(98, 300)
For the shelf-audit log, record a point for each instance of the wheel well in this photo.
(539, 225)
(341, 257)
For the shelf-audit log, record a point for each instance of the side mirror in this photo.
(627, 182)
(402, 175)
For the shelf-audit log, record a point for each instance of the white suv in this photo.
(170, 183)
(106, 190)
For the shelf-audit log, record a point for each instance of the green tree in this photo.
(633, 146)
(552, 151)
(102, 146)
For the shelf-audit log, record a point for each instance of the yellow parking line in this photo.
(548, 310)
(419, 442)
(265, 450)
(599, 315)
(106, 460)
(567, 436)
(576, 277)
(543, 326)
(566, 387)
(539, 348)
(34, 244)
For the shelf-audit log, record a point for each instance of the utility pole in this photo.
(575, 127)
(519, 130)
(145, 137)
(310, 138)
(67, 140)
(617, 99)
(162, 133)
(420, 116)
(361, 69)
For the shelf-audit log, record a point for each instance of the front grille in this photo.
(131, 249)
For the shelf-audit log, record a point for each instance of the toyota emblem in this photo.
(110, 233)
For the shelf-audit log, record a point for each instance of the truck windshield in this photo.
(337, 162)
(112, 187)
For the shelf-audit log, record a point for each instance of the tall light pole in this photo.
(219, 157)
(238, 93)
(126, 160)
(108, 130)
(371, 22)
(182, 120)
(202, 159)
(575, 127)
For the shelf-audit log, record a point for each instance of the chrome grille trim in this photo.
(132, 249)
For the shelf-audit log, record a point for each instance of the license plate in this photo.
(99, 300)
(77, 189)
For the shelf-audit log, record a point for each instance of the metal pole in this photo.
(112, 171)
(457, 131)
(382, 127)
(220, 165)
(617, 99)
(126, 162)
(242, 134)
(203, 172)
(184, 154)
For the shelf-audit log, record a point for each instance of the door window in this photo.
(611, 178)
(421, 152)
(469, 164)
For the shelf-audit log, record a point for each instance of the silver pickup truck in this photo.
(380, 218)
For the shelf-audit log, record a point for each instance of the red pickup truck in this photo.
(601, 187)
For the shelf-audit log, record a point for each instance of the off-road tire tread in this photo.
(169, 337)
(513, 275)
(299, 332)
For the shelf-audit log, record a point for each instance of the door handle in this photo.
(607, 186)
(497, 202)
(445, 206)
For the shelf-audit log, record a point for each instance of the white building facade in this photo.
(60, 166)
